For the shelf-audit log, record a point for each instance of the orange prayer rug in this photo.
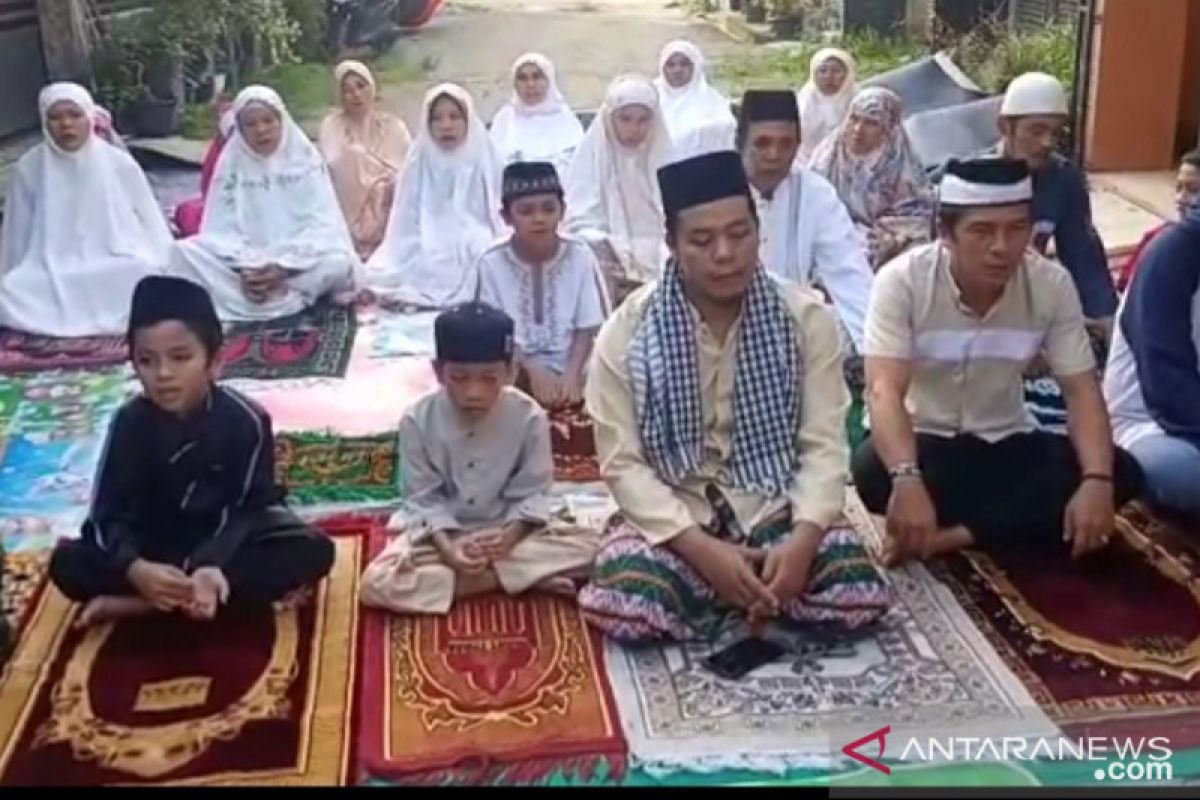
(507, 689)
(1108, 645)
(255, 697)
(23, 579)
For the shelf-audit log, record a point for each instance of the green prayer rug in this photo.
(326, 468)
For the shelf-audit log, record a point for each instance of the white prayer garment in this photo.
(698, 117)
(549, 131)
(261, 211)
(612, 190)
(807, 236)
(572, 298)
(821, 114)
(80, 230)
(445, 214)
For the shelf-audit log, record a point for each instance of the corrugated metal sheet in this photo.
(22, 69)
(18, 14)
(882, 16)
(1035, 13)
(962, 15)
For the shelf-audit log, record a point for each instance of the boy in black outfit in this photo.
(186, 514)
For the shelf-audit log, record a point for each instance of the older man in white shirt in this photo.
(806, 233)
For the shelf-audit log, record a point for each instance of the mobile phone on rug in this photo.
(743, 657)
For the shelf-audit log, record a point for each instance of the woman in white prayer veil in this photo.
(273, 240)
(537, 124)
(446, 211)
(825, 100)
(81, 227)
(697, 115)
(613, 200)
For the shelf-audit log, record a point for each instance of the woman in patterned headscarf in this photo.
(878, 175)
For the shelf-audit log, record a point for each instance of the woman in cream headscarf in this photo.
(697, 115)
(613, 199)
(81, 227)
(365, 148)
(273, 240)
(825, 99)
(446, 210)
(878, 175)
(537, 124)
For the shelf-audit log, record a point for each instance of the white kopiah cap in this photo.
(1034, 93)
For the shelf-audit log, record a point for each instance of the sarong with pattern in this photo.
(640, 592)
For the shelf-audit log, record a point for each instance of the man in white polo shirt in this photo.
(955, 460)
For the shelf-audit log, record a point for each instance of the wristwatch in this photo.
(905, 469)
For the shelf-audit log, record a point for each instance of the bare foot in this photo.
(559, 585)
(950, 540)
(947, 540)
(107, 609)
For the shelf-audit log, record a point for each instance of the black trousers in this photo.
(1013, 492)
(282, 554)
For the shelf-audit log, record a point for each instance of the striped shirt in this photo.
(967, 369)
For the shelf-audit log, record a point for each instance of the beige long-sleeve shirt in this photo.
(461, 477)
(662, 510)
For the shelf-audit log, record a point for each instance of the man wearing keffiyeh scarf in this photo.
(718, 403)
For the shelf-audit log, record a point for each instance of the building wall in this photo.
(1187, 128)
(1137, 82)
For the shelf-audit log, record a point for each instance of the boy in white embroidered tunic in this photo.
(548, 282)
(476, 458)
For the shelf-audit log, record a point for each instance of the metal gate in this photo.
(22, 68)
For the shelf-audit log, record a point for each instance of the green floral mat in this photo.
(326, 468)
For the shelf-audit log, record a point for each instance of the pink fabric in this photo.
(190, 213)
(371, 398)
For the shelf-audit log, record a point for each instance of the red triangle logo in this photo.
(880, 736)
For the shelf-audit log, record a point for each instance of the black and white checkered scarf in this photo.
(665, 374)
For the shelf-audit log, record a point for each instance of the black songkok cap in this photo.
(522, 179)
(473, 333)
(159, 298)
(985, 182)
(769, 105)
(701, 179)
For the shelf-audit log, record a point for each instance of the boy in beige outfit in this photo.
(475, 455)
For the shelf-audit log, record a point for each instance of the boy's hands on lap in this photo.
(496, 543)
(572, 389)
(461, 554)
(547, 387)
(166, 587)
(210, 590)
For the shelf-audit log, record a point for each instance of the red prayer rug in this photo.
(573, 443)
(27, 352)
(315, 343)
(501, 688)
(255, 697)
(1108, 646)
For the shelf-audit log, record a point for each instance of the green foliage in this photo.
(199, 121)
(991, 54)
(311, 22)
(192, 35)
(994, 59)
(788, 65)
